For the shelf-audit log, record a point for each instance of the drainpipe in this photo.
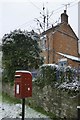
(78, 107)
(78, 111)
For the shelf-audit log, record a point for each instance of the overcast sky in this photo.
(15, 14)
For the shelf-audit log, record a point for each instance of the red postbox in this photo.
(23, 84)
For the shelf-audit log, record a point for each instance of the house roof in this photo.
(56, 28)
(51, 29)
(77, 59)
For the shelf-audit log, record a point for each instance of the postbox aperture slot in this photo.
(17, 76)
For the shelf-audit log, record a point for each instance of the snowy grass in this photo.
(42, 111)
(8, 99)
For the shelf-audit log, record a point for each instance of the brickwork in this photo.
(61, 39)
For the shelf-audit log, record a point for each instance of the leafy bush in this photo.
(20, 52)
(51, 74)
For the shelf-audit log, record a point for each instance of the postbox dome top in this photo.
(23, 71)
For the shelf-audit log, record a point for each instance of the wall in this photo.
(55, 101)
(52, 100)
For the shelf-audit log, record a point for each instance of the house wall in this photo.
(63, 40)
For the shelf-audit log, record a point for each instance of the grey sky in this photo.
(15, 14)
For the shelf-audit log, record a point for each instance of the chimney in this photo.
(64, 17)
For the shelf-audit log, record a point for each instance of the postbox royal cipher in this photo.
(23, 84)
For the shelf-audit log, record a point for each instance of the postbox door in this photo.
(27, 86)
(28, 89)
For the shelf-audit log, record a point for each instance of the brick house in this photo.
(60, 38)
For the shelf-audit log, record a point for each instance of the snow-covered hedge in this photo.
(46, 75)
(60, 77)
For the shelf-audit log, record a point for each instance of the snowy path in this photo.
(14, 111)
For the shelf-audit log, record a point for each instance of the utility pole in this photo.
(47, 35)
(79, 25)
(44, 26)
(47, 18)
(44, 17)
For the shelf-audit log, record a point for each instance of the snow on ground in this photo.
(14, 111)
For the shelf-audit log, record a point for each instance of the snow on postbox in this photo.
(23, 84)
